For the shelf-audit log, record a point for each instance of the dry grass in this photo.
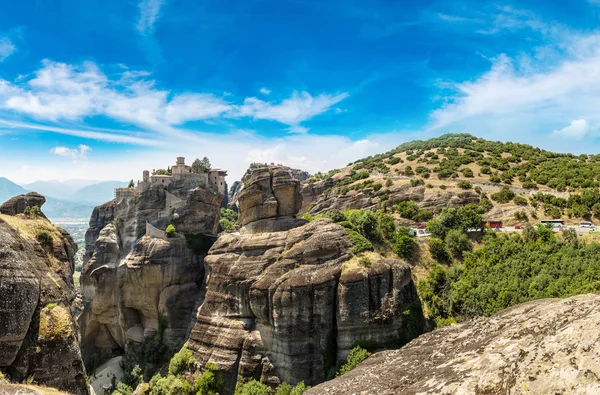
(18, 388)
(29, 227)
(55, 323)
(354, 265)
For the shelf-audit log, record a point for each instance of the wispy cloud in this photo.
(60, 92)
(6, 48)
(300, 107)
(76, 154)
(265, 91)
(149, 14)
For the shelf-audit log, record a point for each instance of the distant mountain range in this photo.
(71, 198)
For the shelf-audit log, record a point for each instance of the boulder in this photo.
(543, 347)
(18, 204)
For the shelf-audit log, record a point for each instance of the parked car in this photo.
(518, 226)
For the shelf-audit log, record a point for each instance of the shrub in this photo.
(44, 238)
(464, 184)
(123, 389)
(364, 262)
(415, 182)
(2, 377)
(210, 382)
(365, 222)
(359, 242)
(438, 250)
(389, 182)
(182, 362)
(458, 242)
(32, 212)
(408, 171)
(356, 356)
(171, 231)
(252, 387)
(226, 225)
(504, 195)
(443, 187)
(286, 389)
(520, 201)
(467, 172)
(405, 243)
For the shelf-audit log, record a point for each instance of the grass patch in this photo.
(55, 323)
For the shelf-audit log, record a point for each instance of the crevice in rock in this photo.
(271, 173)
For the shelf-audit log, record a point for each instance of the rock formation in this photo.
(285, 299)
(18, 204)
(38, 334)
(323, 196)
(133, 273)
(543, 347)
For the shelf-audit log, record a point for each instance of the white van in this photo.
(586, 225)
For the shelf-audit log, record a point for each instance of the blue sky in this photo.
(103, 89)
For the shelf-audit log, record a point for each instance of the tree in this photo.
(131, 184)
(438, 250)
(201, 166)
(181, 362)
(210, 382)
(405, 243)
(252, 387)
(458, 242)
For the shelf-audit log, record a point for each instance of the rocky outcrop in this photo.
(130, 278)
(286, 300)
(542, 347)
(18, 204)
(38, 334)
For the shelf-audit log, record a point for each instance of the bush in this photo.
(210, 382)
(520, 201)
(467, 172)
(55, 323)
(458, 242)
(226, 225)
(415, 182)
(171, 231)
(123, 389)
(443, 187)
(359, 242)
(405, 243)
(356, 356)
(32, 212)
(182, 362)
(44, 238)
(364, 261)
(389, 182)
(464, 185)
(504, 195)
(286, 389)
(252, 387)
(170, 385)
(438, 250)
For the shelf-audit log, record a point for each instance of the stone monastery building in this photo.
(180, 171)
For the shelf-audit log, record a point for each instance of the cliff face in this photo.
(38, 334)
(543, 347)
(285, 299)
(131, 277)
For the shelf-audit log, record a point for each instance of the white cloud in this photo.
(149, 13)
(6, 48)
(265, 91)
(576, 130)
(529, 95)
(292, 111)
(76, 154)
(63, 92)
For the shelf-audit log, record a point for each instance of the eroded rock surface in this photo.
(18, 204)
(131, 277)
(285, 299)
(38, 333)
(547, 346)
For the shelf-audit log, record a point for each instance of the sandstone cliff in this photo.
(38, 334)
(542, 347)
(285, 299)
(130, 276)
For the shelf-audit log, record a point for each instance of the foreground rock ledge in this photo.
(549, 346)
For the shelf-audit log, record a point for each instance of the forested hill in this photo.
(454, 156)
